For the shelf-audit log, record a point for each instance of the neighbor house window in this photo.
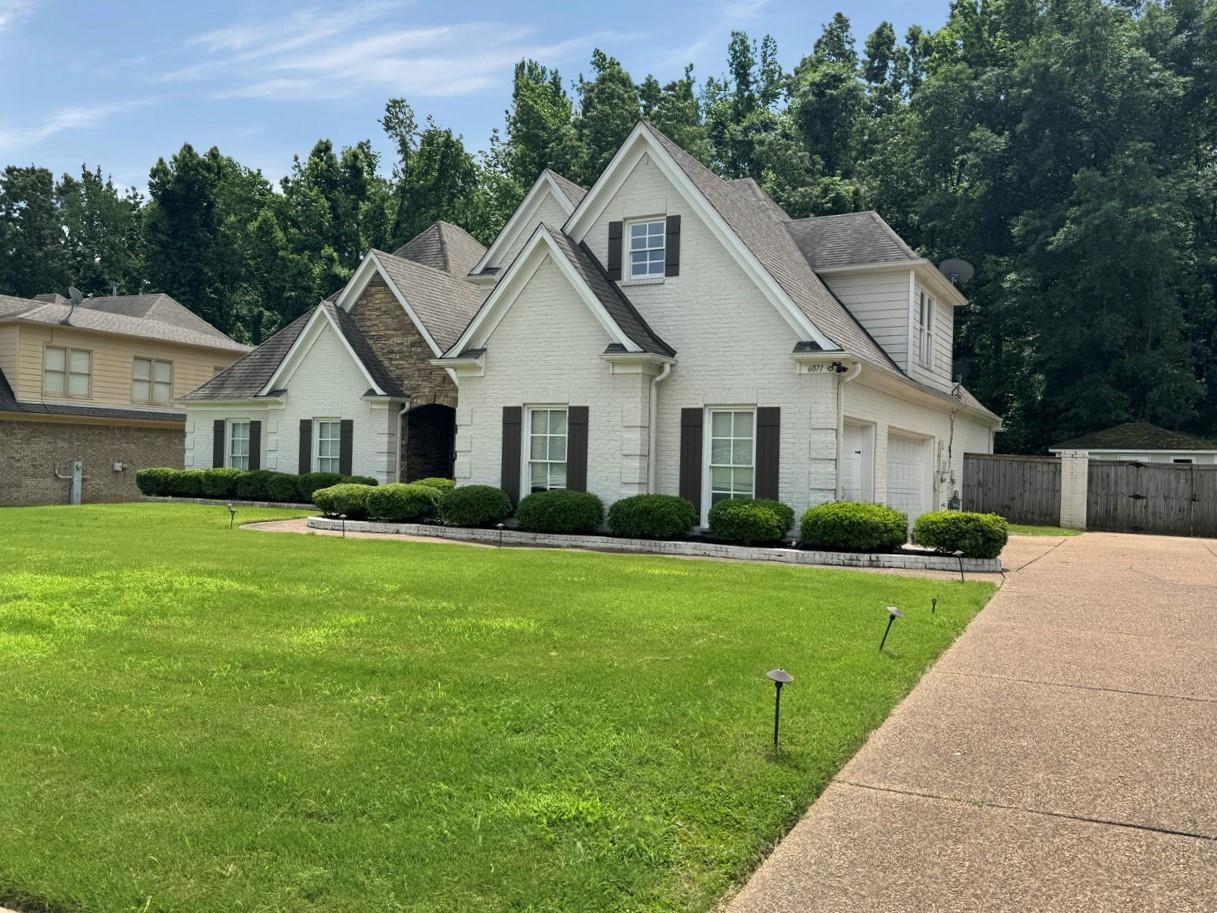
(732, 454)
(646, 249)
(66, 372)
(925, 330)
(546, 449)
(329, 441)
(238, 445)
(151, 381)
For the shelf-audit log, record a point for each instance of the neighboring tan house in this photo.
(349, 386)
(1142, 442)
(670, 331)
(96, 383)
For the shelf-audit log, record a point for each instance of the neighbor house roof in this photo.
(1136, 436)
(849, 239)
(443, 246)
(156, 317)
(443, 303)
(610, 295)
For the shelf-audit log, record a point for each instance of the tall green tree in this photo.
(540, 128)
(609, 107)
(32, 258)
(102, 233)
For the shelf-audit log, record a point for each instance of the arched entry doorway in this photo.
(428, 442)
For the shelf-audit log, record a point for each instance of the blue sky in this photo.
(119, 84)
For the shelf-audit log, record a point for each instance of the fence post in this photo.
(1075, 478)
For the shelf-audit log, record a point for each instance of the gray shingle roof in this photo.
(848, 239)
(148, 316)
(364, 350)
(245, 378)
(610, 295)
(443, 246)
(765, 235)
(444, 303)
(1136, 436)
(573, 191)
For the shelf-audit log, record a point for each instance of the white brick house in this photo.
(678, 333)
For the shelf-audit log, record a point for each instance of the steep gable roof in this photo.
(573, 191)
(440, 302)
(848, 239)
(443, 246)
(364, 350)
(1136, 436)
(245, 378)
(548, 185)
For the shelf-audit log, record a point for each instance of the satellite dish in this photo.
(75, 295)
(958, 271)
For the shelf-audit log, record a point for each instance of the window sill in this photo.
(655, 280)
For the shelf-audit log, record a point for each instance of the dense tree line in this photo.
(1067, 148)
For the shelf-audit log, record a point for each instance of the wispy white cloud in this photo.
(330, 55)
(64, 120)
(13, 10)
(729, 17)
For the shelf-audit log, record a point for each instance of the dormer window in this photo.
(646, 249)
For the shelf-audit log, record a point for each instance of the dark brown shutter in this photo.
(614, 251)
(255, 446)
(671, 266)
(305, 462)
(217, 442)
(513, 418)
(576, 448)
(690, 456)
(768, 436)
(346, 446)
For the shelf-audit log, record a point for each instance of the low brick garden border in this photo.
(927, 561)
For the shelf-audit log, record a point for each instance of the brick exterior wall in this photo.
(381, 318)
(32, 452)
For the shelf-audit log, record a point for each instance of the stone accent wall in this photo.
(381, 318)
(32, 451)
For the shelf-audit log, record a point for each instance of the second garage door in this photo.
(909, 474)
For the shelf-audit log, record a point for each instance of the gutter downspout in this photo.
(400, 416)
(653, 423)
(842, 380)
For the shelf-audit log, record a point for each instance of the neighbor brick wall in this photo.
(31, 452)
(401, 347)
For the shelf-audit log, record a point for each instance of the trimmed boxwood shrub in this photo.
(560, 511)
(252, 486)
(750, 520)
(344, 498)
(283, 488)
(398, 503)
(309, 482)
(359, 480)
(221, 482)
(188, 483)
(474, 505)
(439, 484)
(157, 481)
(651, 517)
(853, 526)
(974, 535)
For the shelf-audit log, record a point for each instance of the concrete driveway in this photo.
(1062, 756)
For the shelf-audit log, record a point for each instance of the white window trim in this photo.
(316, 467)
(67, 372)
(707, 438)
(926, 304)
(526, 460)
(228, 442)
(152, 363)
(627, 266)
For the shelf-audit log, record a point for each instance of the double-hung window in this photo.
(238, 445)
(547, 432)
(66, 372)
(732, 454)
(329, 443)
(925, 330)
(646, 249)
(151, 381)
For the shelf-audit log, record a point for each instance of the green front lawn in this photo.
(1021, 529)
(199, 720)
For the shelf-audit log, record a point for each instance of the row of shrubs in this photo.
(836, 526)
(255, 485)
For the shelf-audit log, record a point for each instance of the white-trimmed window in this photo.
(67, 372)
(731, 454)
(547, 431)
(327, 444)
(645, 241)
(151, 381)
(925, 330)
(238, 445)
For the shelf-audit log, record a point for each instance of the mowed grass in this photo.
(1022, 529)
(198, 720)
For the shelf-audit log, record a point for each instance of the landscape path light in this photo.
(232, 515)
(892, 614)
(343, 518)
(779, 677)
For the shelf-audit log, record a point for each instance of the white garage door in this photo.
(908, 474)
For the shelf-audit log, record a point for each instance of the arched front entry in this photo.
(428, 442)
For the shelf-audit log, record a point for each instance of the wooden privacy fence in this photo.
(1023, 489)
(1177, 499)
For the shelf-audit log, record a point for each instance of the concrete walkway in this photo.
(1062, 756)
